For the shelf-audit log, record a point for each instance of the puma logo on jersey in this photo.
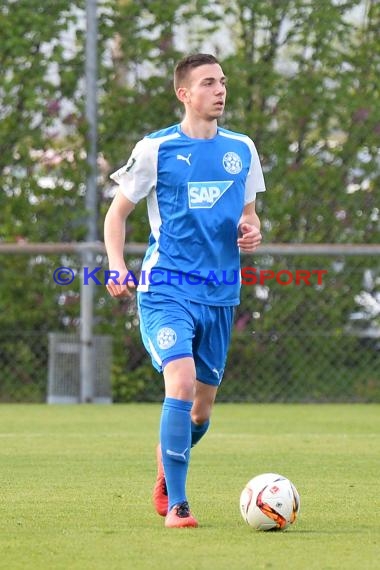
(185, 158)
(206, 194)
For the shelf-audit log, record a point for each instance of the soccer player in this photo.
(200, 182)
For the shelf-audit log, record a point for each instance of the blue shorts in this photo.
(173, 328)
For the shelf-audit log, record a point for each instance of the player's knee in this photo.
(180, 379)
(200, 417)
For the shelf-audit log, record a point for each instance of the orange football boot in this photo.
(160, 492)
(180, 517)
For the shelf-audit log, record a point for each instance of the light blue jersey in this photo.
(196, 190)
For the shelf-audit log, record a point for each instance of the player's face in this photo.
(206, 91)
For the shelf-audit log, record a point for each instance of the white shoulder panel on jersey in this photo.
(138, 177)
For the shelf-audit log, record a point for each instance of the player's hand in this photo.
(123, 285)
(249, 238)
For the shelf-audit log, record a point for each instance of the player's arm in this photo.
(114, 239)
(249, 236)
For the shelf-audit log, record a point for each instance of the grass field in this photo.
(76, 488)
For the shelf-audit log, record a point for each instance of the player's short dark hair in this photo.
(185, 65)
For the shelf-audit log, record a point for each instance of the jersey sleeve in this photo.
(255, 180)
(139, 176)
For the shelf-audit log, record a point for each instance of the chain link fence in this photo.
(307, 328)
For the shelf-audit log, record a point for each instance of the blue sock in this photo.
(175, 436)
(198, 431)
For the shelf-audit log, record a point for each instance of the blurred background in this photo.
(303, 83)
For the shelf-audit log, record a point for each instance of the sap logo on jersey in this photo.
(206, 194)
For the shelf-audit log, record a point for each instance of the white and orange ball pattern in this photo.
(269, 502)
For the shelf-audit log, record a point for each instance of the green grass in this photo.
(76, 488)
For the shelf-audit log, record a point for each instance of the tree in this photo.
(302, 82)
(42, 172)
(304, 73)
(40, 168)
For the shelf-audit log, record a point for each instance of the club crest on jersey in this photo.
(232, 163)
(206, 194)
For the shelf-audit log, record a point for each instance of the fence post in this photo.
(87, 359)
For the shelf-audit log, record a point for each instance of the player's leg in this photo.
(175, 427)
(167, 332)
(211, 343)
(204, 399)
(175, 437)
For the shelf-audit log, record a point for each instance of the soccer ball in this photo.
(269, 502)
